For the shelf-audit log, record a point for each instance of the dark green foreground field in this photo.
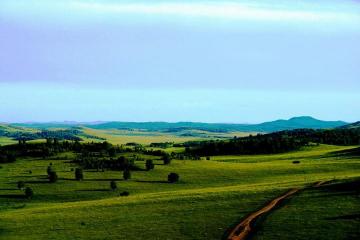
(211, 197)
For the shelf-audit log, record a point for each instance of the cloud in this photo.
(226, 10)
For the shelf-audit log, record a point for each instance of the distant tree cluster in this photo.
(277, 142)
(120, 163)
(68, 134)
(162, 145)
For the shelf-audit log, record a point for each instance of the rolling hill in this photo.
(352, 125)
(278, 125)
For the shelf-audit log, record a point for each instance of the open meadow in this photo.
(209, 199)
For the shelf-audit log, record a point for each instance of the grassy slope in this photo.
(115, 136)
(329, 212)
(211, 196)
(6, 141)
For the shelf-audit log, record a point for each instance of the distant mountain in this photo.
(351, 126)
(298, 122)
(278, 125)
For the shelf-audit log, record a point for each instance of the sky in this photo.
(209, 61)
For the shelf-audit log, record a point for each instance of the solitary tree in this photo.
(79, 174)
(149, 165)
(53, 177)
(166, 158)
(127, 174)
(49, 169)
(29, 192)
(113, 185)
(173, 177)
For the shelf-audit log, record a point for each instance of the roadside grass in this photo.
(329, 212)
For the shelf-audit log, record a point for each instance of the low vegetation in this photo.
(86, 190)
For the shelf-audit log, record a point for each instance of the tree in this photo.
(29, 192)
(20, 184)
(166, 158)
(79, 174)
(53, 177)
(112, 152)
(127, 174)
(49, 169)
(149, 165)
(113, 185)
(173, 177)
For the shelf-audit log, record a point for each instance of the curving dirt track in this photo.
(243, 229)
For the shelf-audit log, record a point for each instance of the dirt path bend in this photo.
(243, 229)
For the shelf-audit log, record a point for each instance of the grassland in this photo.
(328, 212)
(211, 197)
(6, 141)
(116, 136)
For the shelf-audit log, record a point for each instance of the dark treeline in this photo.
(337, 136)
(162, 145)
(120, 163)
(260, 144)
(51, 147)
(44, 149)
(66, 134)
(277, 142)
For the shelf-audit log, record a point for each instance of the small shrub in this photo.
(20, 184)
(124, 194)
(127, 174)
(30, 172)
(296, 162)
(167, 160)
(49, 169)
(113, 185)
(79, 174)
(29, 192)
(173, 177)
(149, 165)
(53, 177)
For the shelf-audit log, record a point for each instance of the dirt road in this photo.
(243, 229)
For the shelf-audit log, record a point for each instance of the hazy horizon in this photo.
(108, 121)
(202, 61)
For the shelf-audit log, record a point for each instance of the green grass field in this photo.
(328, 212)
(6, 141)
(210, 198)
(116, 136)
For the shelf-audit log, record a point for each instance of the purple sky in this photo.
(169, 50)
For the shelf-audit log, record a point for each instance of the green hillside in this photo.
(211, 196)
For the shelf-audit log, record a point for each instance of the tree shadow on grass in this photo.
(349, 153)
(9, 189)
(346, 217)
(151, 181)
(93, 190)
(29, 176)
(13, 196)
(67, 179)
(349, 186)
(36, 182)
(103, 179)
